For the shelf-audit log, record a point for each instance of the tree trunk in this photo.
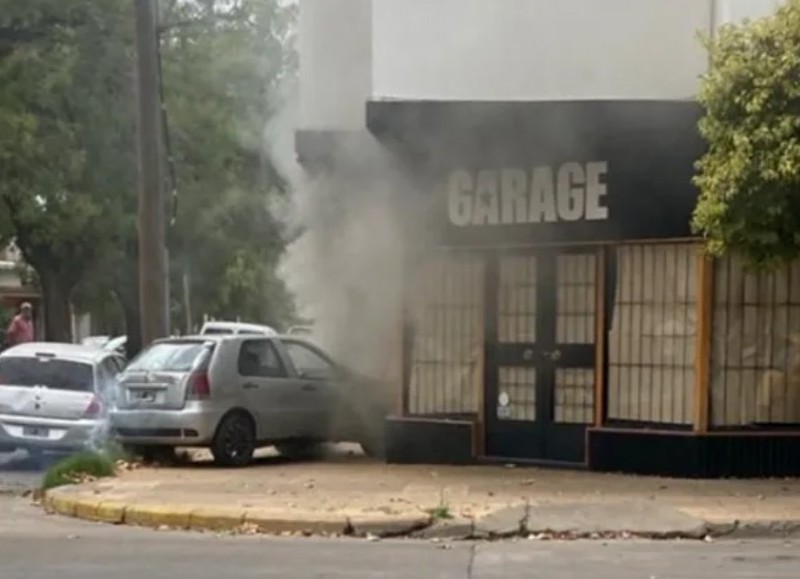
(57, 315)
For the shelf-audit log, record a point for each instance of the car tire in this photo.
(301, 449)
(235, 440)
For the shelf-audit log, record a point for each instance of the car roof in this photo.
(201, 338)
(236, 326)
(74, 352)
(235, 338)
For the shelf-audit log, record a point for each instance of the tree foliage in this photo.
(50, 99)
(68, 163)
(224, 63)
(749, 178)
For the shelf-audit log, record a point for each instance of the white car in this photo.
(95, 341)
(225, 328)
(117, 345)
(53, 396)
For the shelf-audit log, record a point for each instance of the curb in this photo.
(69, 501)
(757, 529)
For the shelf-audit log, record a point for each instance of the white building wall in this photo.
(354, 50)
(335, 63)
(538, 49)
(734, 11)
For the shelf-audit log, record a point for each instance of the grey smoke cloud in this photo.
(356, 230)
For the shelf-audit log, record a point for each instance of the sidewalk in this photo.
(348, 494)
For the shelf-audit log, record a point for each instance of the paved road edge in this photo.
(69, 501)
(74, 501)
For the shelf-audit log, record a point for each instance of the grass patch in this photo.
(442, 512)
(78, 468)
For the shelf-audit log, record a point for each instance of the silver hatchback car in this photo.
(52, 396)
(235, 393)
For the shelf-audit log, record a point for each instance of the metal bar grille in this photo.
(516, 307)
(755, 357)
(575, 324)
(518, 383)
(446, 309)
(653, 334)
(575, 278)
(517, 312)
(574, 395)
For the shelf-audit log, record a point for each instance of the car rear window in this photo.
(172, 357)
(50, 372)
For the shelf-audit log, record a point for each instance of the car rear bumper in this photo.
(50, 433)
(186, 427)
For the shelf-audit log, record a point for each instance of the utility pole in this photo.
(187, 304)
(152, 235)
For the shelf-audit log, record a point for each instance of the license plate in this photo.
(36, 431)
(144, 396)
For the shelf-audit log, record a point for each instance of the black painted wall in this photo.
(650, 148)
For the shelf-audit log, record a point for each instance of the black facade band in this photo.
(491, 166)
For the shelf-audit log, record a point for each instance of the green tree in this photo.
(68, 164)
(6, 230)
(53, 90)
(749, 179)
(224, 63)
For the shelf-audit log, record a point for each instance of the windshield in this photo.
(171, 357)
(50, 372)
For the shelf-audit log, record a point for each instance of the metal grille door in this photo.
(540, 355)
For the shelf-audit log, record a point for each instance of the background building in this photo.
(13, 289)
(533, 162)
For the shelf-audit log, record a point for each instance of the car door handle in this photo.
(250, 386)
(309, 387)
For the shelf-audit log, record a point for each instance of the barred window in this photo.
(652, 335)
(755, 356)
(446, 310)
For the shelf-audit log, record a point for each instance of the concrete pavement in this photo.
(350, 495)
(36, 546)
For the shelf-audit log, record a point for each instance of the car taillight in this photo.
(94, 408)
(199, 386)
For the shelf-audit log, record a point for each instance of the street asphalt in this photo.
(37, 546)
(18, 473)
(34, 545)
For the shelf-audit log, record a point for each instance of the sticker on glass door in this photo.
(517, 394)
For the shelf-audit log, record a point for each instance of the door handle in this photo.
(555, 355)
(250, 386)
(309, 388)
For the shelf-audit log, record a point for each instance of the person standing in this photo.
(20, 330)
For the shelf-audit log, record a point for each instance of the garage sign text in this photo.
(569, 192)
